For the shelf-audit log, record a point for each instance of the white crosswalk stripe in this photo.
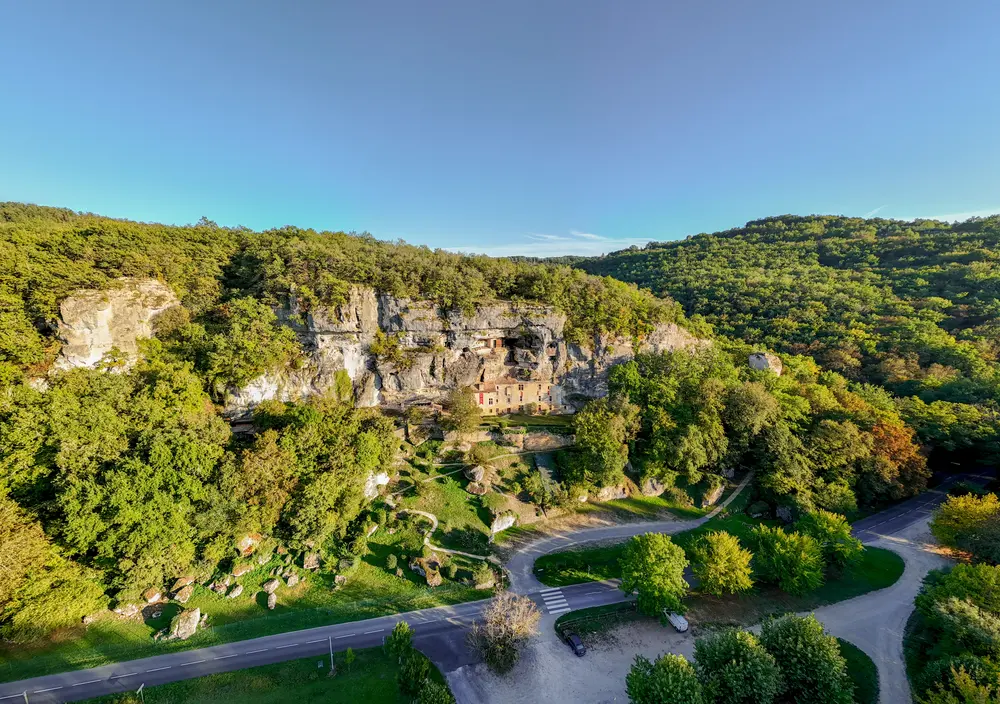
(554, 601)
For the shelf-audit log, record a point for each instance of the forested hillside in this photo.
(911, 306)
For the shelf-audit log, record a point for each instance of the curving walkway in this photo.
(427, 538)
(520, 567)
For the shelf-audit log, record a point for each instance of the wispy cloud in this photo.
(953, 217)
(548, 245)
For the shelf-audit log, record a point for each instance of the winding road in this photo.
(873, 622)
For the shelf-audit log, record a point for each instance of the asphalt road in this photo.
(438, 632)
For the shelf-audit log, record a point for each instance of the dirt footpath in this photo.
(549, 672)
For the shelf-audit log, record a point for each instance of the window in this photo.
(480, 399)
(520, 387)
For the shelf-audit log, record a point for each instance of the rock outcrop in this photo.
(765, 362)
(439, 350)
(432, 350)
(95, 321)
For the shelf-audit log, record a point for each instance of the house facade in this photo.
(514, 396)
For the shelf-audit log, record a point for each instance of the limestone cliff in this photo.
(93, 322)
(440, 350)
(435, 350)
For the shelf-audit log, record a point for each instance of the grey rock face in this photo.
(93, 322)
(270, 586)
(765, 362)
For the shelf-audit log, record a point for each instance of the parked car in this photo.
(575, 643)
(679, 623)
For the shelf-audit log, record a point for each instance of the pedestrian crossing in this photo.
(555, 602)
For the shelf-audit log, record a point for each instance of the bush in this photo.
(791, 560)
(399, 643)
(970, 523)
(833, 532)
(734, 668)
(721, 565)
(940, 673)
(508, 621)
(434, 693)
(493, 502)
(813, 669)
(451, 570)
(413, 673)
(670, 679)
(390, 562)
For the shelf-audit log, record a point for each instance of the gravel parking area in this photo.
(549, 672)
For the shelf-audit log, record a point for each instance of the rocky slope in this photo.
(434, 350)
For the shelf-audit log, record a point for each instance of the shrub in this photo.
(721, 564)
(940, 673)
(451, 570)
(508, 621)
(813, 669)
(390, 562)
(434, 693)
(399, 643)
(493, 502)
(970, 523)
(833, 533)
(791, 560)
(670, 679)
(734, 668)
(653, 566)
(413, 673)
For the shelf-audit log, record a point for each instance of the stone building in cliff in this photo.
(507, 395)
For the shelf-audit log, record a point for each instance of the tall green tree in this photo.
(734, 668)
(653, 566)
(671, 678)
(721, 564)
(811, 665)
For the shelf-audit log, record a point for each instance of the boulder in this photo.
(235, 591)
(152, 595)
(765, 362)
(429, 569)
(714, 495)
(247, 543)
(292, 580)
(652, 487)
(127, 610)
(477, 489)
(181, 582)
(242, 569)
(220, 587)
(183, 594)
(502, 522)
(609, 493)
(373, 482)
(270, 586)
(272, 601)
(340, 580)
(311, 561)
(184, 624)
(263, 558)
(785, 513)
(475, 474)
(418, 568)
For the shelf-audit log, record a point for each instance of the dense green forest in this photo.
(909, 306)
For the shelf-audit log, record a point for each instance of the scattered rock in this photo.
(184, 593)
(127, 610)
(503, 522)
(475, 474)
(609, 493)
(184, 624)
(263, 558)
(373, 482)
(652, 487)
(399, 571)
(429, 569)
(711, 497)
(235, 591)
(87, 620)
(311, 561)
(247, 543)
(156, 614)
(340, 580)
(372, 530)
(292, 580)
(272, 601)
(476, 488)
(152, 595)
(282, 550)
(181, 583)
(242, 569)
(785, 513)
(765, 362)
(271, 585)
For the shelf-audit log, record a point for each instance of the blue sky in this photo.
(537, 127)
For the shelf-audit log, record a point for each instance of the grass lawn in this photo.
(370, 591)
(863, 673)
(555, 423)
(463, 524)
(371, 679)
